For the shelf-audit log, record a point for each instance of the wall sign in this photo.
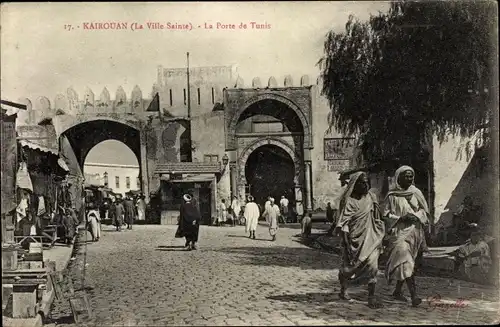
(338, 165)
(339, 148)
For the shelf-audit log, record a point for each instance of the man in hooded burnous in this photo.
(362, 230)
(407, 216)
(189, 222)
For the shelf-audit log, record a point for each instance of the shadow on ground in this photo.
(256, 239)
(441, 303)
(281, 256)
(63, 320)
(443, 300)
(315, 225)
(170, 247)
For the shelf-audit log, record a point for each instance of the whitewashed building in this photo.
(120, 178)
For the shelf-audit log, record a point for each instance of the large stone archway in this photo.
(289, 105)
(77, 138)
(296, 156)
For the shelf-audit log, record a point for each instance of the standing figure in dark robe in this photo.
(129, 206)
(330, 213)
(70, 223)
(112, 211)
(362, 230)
(119, 214)
(189, 223)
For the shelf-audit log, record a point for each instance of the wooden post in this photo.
(144, 173)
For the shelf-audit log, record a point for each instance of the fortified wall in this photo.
(163, 133)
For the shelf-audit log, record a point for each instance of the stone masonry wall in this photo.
(207, 82)
(207, 136)
(326, 184)
(456, 177)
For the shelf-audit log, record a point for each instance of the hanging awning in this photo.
(35, 146)
(36, 137)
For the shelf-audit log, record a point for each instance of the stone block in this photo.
(36, 247)
(6, 293)
(24, 301)
(24, 265)
(36, 265)
(9, 259)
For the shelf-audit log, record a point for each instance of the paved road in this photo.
(144, 277)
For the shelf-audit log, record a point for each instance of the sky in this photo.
(40, 57)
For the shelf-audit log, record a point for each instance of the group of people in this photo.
(189, 218)
(121, 211)
(124, 211)
(364, 226)
(398, 228)
(235, 212)
(252, 214)
(36, 211)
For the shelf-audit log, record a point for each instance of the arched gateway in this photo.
(79, 124)
(270, 121)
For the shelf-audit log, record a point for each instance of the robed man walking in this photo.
(129, 206)
(362, 230)
(251, 214)
(189, 222)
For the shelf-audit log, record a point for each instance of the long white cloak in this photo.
(267, 206)
(236, 208)
(252, 214)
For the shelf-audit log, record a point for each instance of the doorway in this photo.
(270, 171)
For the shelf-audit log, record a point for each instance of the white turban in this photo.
(187, 197)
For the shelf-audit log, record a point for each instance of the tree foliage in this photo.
(420, 68)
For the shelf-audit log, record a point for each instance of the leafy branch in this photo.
(422, 69)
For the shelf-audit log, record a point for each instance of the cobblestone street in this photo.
(144, 277)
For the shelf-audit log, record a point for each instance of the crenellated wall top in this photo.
(74, 104)
(273, 82)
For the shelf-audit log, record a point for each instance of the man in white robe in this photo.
(222, 212)
(94, 225)
(267, 207)
(284, 208)
(235, 208)
(252, 214)
(273, 215)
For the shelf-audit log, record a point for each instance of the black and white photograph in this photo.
(302, 163)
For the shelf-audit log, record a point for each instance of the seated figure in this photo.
(307, 225)
(473, 259)
(466, 214)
